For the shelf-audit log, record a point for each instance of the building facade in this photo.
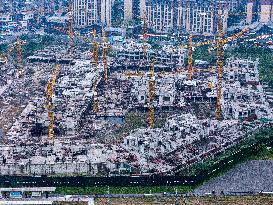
(259, 11)
(190, 16)
(90, 12)
(266, 15)
(128, 10)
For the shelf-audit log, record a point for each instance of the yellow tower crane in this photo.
(190, 70)
(69, 30)
(190, 47)
(105, 51)
(95, 62)
(220, 64)
(17, 46)
(49, 105)
(151, 92)
(19, 52)
(220, 42)
(151, 95)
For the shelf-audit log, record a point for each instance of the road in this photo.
(82, 198)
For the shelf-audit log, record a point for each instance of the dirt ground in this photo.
(250, 200)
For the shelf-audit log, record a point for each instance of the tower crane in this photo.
(218, 45)
(151, 92)
(151, 95)
(190, 54)
(220, 42)
(19, 53)
(190, 70)
(95, 61)
(70, 30)
(190, 47)
(104, 53)
(220, 64)
(49, 91)
(17, 46)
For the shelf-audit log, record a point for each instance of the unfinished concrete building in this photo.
(243, 95)
(131, 55)
(101, 142)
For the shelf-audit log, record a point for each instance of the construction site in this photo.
(125, 108)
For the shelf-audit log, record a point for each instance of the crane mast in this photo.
(105, 49)
(70, 30)
(221, 41)
(19, 54)
(151, 96)
(220, 63)
(50, 87)
(190, 51)
(95, 61)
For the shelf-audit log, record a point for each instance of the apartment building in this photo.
(266, 15)
(190, 16)
(261, 11)
(128, 10)
(160, 15)
(89, 12)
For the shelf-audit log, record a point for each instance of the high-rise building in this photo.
(160, 15)
(134, 9)
(128, 10)
(271, 10)
(232, 4)
(142, 6)
(106, 11)
(190, 16)
(90, 12)
(266, 11)
(249, 11)
(1, 6)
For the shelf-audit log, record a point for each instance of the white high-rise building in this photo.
(142, 6)
(106, 8)
(266, 11)
(249, 11)
(90, 12)
(191, 16)
(128, 10)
